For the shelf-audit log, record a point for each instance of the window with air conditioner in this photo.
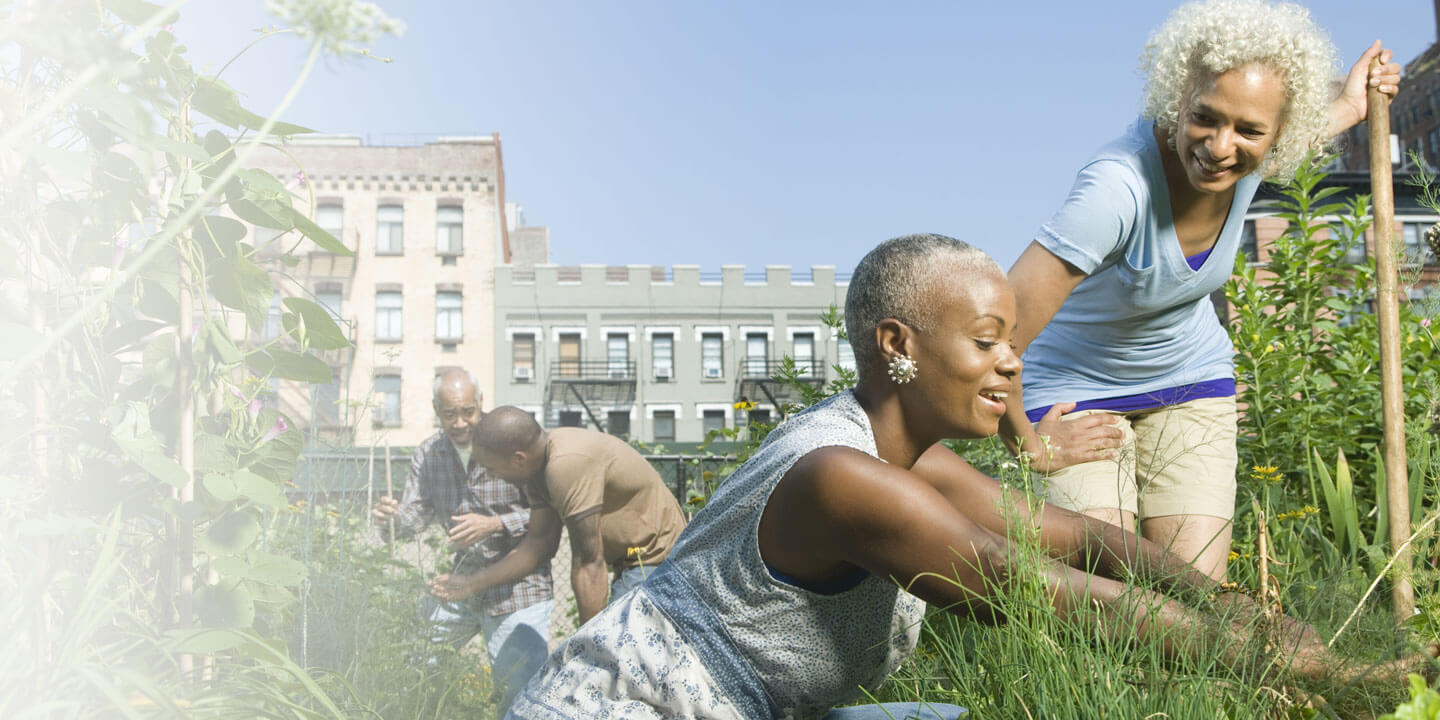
(662, 355)
(712, 356)
(522, 356)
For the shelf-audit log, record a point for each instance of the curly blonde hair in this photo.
(1211, 37)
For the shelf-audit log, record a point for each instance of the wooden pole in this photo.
(1397, 485)
(370, 489)
(390, 491)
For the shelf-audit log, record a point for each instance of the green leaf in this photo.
(228, 604)
(240, 284)
(203, 642)
(221, 487)
(290, 365)
(320, 329)
(258, 489)
(137, 12)
(232, 534)
(132, 434)
(273, 569)
(219, 101)
(219, 236)
(318, 235)
(224, 346)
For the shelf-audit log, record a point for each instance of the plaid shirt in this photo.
(438, 487)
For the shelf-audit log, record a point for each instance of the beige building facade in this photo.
(427, 227)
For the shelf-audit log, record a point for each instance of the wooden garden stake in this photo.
(370, 487)
(389, 491)
(1397, 485)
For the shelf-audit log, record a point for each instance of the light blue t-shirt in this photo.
(1141, 320)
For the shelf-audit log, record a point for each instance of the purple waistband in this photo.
(1222, 387)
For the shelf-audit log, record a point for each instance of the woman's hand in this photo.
(1071, 441)
(1352, 106)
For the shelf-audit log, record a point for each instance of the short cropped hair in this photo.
(1202, 39)
(451, 376)
(898, 279)
(506, 429)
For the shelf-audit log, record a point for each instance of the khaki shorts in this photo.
(1176, 460)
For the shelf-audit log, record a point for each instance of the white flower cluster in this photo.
(344, 26)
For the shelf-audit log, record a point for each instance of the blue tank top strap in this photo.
(1218, 388)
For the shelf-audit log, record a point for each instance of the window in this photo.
(522, 357)
(274, 319)
(663, 423)
(712, 420)
(1249, 242)
(328, 296)
(327, 401)
(757, 416)
(757, 350)
(662, 355)
(331, 218)
(448, 320)
(1417, 251)
(390, 231)
(570, 355)
(847, 356)
(387, 396)
(712, 356)
(448, 238)
(617, 355)
(617, 423)
(805, 353)
(569, 418)
(389, 318)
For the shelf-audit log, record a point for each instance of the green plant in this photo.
(140, 457)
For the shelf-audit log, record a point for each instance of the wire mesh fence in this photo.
(358, 572)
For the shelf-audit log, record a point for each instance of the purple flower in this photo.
(279, 427)
(300, 178)
(122, 246)
(253, 409)
(1425, 322)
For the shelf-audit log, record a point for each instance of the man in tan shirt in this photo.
(622, 518)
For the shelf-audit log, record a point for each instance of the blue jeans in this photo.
(628, 580)
(899, 711)
(517, 643)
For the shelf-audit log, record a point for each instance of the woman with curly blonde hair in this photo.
(1128, 404)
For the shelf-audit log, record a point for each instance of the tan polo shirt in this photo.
(587, 471)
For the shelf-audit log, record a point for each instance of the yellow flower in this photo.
(745, 405)
(634, 551)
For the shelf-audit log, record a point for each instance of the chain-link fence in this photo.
(338, 541)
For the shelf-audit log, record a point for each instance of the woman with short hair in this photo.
(805, 577)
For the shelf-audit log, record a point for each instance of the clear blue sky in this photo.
(710, 132)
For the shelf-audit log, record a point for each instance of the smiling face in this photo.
(966, 363)
(1227, 125)
(458, 407)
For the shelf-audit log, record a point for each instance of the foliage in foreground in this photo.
(139, 459)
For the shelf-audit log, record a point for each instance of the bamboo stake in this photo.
(370, 489)
(389, 491)
(1397, 485)
(184, 333)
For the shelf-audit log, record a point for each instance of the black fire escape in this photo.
(588, 384)
(759, 381)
